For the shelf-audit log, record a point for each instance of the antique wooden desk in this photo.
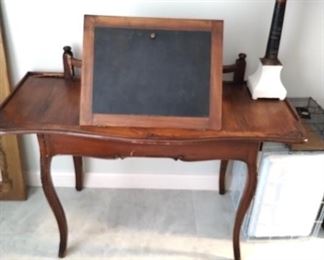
(48, 105)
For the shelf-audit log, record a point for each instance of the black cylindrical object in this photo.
(276, 30)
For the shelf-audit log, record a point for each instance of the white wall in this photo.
(38, 29)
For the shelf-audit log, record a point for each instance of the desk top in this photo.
(50, 104)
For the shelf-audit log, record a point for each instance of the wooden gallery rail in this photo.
(246, 124)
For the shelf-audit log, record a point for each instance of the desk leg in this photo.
(222, 175)
(51, 196)
(77, 161)
(248, 194)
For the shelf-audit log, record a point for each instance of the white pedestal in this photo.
(266, 82)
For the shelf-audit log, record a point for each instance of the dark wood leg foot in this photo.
(222, 176)
(248, 194)
(51, 196)
(77, 161)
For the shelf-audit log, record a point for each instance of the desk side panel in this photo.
(40, 102)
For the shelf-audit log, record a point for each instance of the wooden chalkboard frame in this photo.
(215, 27)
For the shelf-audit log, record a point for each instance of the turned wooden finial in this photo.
(67, 62)
(240, 68)
(271, 55)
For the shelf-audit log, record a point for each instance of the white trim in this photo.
(132, 181)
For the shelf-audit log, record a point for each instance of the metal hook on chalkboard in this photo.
(153, 36)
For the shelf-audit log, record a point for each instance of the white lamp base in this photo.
(266, 82)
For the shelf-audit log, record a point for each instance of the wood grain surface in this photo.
(55, 103)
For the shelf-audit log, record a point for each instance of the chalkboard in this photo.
(151, 72)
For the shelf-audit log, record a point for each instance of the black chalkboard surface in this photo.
(151, 72)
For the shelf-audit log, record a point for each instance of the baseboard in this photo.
(132, 181)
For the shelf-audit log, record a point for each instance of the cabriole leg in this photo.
(77, 161)
(248, 194)
(222, 175)
(51, 196)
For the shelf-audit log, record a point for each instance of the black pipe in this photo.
(275, 31)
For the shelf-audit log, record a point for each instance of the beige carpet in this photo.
(137, 224)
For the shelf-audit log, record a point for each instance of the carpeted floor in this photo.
(137, 224)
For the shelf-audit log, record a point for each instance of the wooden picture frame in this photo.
(211, 121)
(12, 181)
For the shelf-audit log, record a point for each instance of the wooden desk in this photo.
(49, 106)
